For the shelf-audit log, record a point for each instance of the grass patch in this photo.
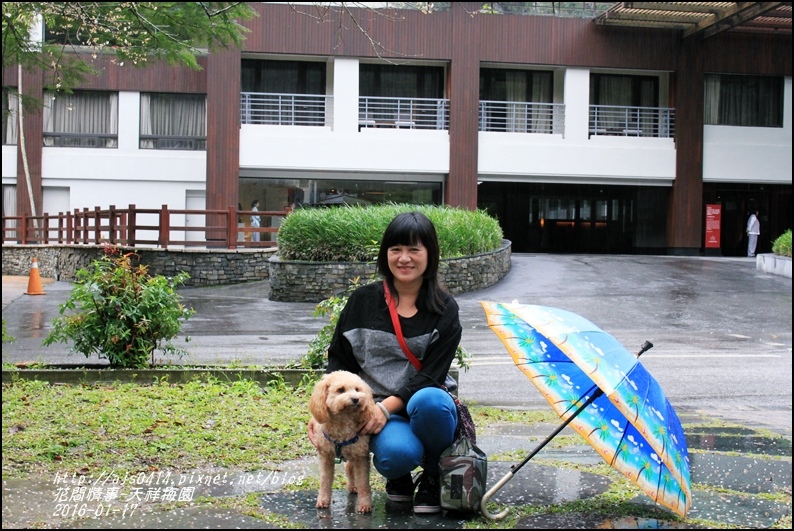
(131, 428)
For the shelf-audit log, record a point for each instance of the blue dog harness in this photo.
(339, 444)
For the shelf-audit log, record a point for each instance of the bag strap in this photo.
(395, 321)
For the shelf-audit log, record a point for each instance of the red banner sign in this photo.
(713, 216)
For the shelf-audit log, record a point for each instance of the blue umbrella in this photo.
(602, 390)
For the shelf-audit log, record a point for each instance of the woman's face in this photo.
(408, 262)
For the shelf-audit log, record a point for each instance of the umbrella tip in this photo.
(645, 346)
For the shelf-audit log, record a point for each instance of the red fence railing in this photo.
(149, 227)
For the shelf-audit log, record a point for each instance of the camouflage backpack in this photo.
(464, 467)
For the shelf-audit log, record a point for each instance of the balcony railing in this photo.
(403, 113)
(522, 117)
(284, 109)
(608, 120)
(88, 140)
(184, 143)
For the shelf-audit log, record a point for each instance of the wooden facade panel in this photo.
(464, 80)
(685, 215)
(748, 54)
(223, 129)
(33, 125)
(403, 35)
(573, 42)
(157, 77)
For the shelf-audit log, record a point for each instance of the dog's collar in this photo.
(339, 444)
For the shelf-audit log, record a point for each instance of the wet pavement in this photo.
(722, 332)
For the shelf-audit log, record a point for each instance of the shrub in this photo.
(121, 313)
(350, 233)
(782, 245)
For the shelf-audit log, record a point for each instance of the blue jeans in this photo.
(426, 433)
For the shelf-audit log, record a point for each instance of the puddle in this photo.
(739, 442)
(743, 474)
(586, 521)
(742, 511)
(184, 518)
(533, 484)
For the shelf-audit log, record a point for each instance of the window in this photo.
(516, 101)
(173, 121)
(624, 91)
(283, 77)
(743, 100)
(10, 109)
(81, 119)
(626, 105)
(283, 93)
(402, 96)
(401, 81)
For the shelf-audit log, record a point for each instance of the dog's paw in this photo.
(364, 508)
(352, 489)
(323, 502)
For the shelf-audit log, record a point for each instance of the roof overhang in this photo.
(701, 18)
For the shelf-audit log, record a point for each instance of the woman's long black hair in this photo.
(411, 228)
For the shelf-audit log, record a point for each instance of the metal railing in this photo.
(144, 227)
(184, 143)
(88, 140)
(403, 113)
(522, 117)
(609, 120)
(284, 109)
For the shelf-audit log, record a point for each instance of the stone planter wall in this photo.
(207, 267)
(298, 281)
(289, 281)
(774, 264)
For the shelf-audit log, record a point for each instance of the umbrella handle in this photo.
(487, 496)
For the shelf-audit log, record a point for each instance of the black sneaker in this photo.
(428, 495)
(400, 489)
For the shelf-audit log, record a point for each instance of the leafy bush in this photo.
(782, 245)
(353, 233)
(121, 313)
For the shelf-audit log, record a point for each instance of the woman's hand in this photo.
(379, 418)
(375, 423)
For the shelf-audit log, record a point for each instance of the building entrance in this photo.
(586, 219)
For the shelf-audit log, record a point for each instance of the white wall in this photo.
(9, 164)
(615, 160)
(572, 156)
(750, 154)
(151, 178)
(340, 146)
(147, 178)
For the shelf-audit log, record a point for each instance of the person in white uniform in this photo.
(255, 220)
(753, 230)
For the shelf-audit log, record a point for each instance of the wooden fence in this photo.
(146, 227)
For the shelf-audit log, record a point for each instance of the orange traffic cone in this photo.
(34, 282)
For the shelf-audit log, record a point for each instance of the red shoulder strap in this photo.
(395, 320)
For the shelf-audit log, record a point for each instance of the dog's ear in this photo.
(317, 402)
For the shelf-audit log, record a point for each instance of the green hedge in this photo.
(782, 245)
(353, 233)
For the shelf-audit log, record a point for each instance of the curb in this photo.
(100, 374)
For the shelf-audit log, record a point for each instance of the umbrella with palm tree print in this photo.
(603, 392)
